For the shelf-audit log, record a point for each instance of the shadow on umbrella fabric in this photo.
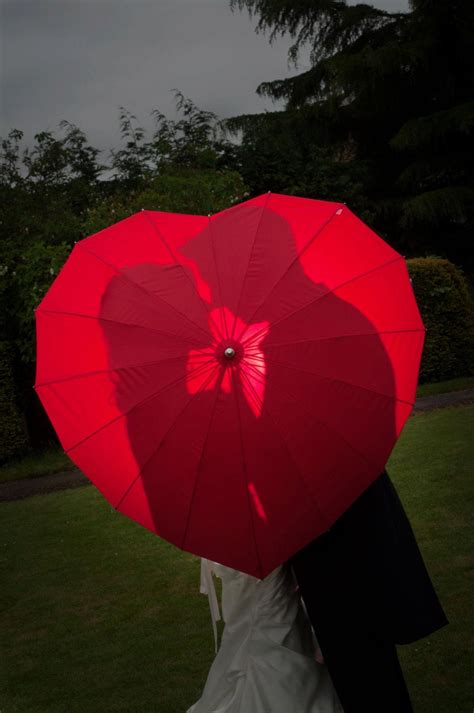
(258, 402)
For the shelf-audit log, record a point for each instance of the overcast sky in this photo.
(81, 59)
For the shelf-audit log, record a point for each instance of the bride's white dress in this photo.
(266, 662)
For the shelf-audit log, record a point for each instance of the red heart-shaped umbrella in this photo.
(232, 383)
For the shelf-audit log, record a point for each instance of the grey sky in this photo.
(81, 59)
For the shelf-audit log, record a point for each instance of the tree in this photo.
(55, 193)
(195, 140)
(398, 87)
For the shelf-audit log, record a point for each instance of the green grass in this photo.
(444, 387)
(99, 615)
(432, 467)
(35, 464)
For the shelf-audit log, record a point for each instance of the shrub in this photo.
(185, 190)
(447, 310)
(13, 436)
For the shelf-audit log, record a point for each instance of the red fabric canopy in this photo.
(231, 382)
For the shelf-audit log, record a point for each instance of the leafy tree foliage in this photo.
(196, 140)
(59, 191)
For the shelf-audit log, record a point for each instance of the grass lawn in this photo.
(99, 615)
(444, 387)
(35, 464)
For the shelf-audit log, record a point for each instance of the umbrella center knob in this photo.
(229, 353)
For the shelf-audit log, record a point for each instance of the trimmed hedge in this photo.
(447, 310)
(13, 435)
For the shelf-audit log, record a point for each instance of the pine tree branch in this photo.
(429, 130)
(326, 26)
(452, 204)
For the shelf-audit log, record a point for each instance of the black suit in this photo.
(366, 588)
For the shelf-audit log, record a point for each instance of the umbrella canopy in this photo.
(234, 382)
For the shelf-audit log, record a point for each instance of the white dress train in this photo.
(266, 662)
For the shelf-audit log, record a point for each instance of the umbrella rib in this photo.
(165, 435)
(218, 278)
(326, 294)
(295, 259)
(87, 374)
(345, 336)
(115, 321)
(264, 206)
(244, 466)
(178, 262)
(287, 448)
(329, 428)
(333, 378)
(140, 403)
(199, 465)
(122, 275)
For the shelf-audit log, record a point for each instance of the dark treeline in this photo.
(383, 119)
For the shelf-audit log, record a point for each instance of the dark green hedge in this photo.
(13, 436)
(447, 309)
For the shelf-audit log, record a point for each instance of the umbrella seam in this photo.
(325, 425)
(178, 262)
(344, 336)
(139, 403)
(297, 257)
(292, 458)
(122, 275)
(340, 381)
(198, 469)
(264, 206)
(165, 435)
(114, 321)
(244, 465)
(219, 291)
(87, 374)
(326, 294)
